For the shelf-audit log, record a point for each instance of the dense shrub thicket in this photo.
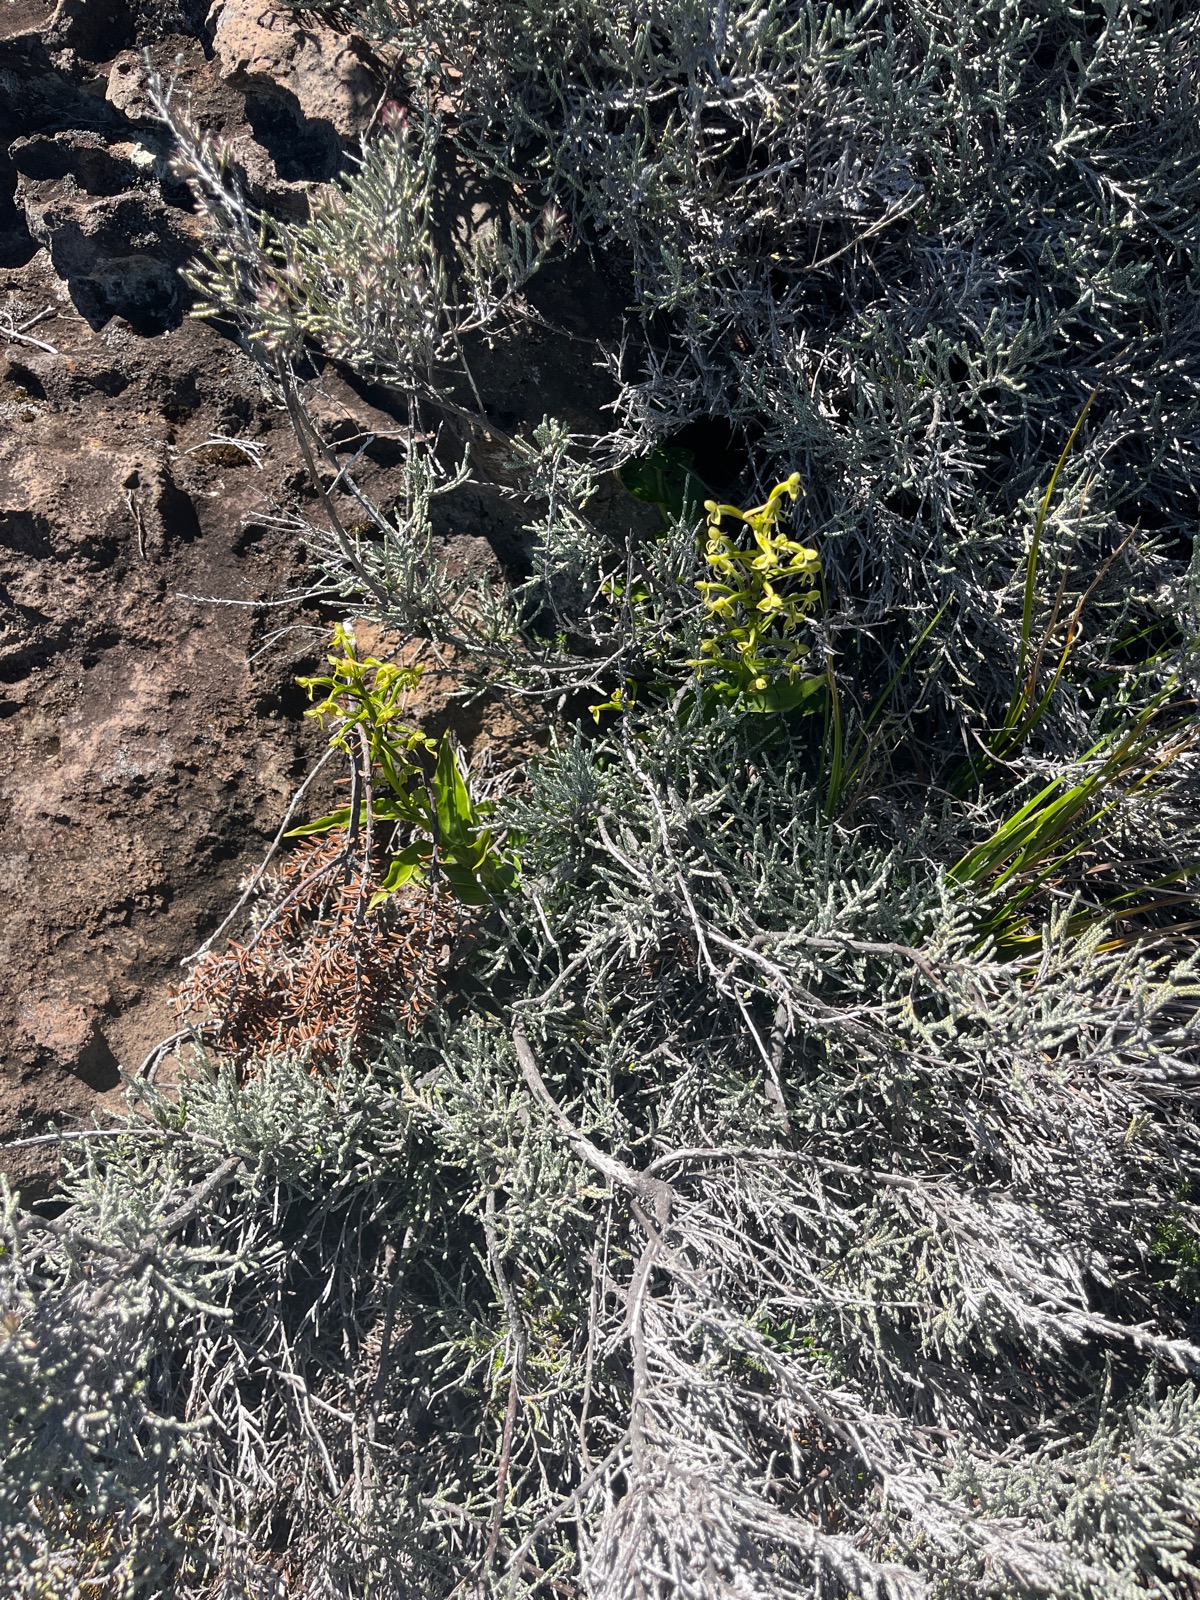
(793, 1193)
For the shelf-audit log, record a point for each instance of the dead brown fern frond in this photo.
(321, 971)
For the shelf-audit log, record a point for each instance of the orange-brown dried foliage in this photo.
(322, 973)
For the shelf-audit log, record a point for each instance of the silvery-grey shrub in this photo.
(750, 1222)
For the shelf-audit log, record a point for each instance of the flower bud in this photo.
(394, 117)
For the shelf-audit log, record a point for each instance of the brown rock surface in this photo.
(327, 77)
(148, 744)
(144, 762)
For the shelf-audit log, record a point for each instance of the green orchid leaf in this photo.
(407, 867)
(335, 819)
(451, 798)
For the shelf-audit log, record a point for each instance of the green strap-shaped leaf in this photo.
(335, 819)
(452, 800)
(406, 867)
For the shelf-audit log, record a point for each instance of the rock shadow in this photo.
(303, 149)
(17, 244)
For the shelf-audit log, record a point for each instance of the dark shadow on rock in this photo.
(17, 244)
(28, 639)
(84, 157)
(26, 383)
(97, 30)
(180, 522)
(118, 255)
(36, 98)
(26, 533)
(96, 1065)
(93, 31)
(114, 238)
(109, 381)
(141, 289)
(304, 149)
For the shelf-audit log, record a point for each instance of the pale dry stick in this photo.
(619, 856)
(520, 1334)
(736, 1152)
(651, 1202)
(571, 968)
(634, 1329)
(80, 1135)
(38, 316)
(894, 213)
(772, 1059)
(139, 523)
(306, 434)
(558, 1512)
(296, 1382)
(590, 1354)
(540, 910)
(154, 1057)
(859, 946)
(300, 597)
(294, 894)
(342, 470)
(270, 640)
(304, 1400)
(27, 338)
(665, 836)
(462, 476)
(19, 332)
(826, 1013)
(249, 448)
(467, 1589)
(362, 804)
(656, 1194)
(389, 1322)
(183, 1213)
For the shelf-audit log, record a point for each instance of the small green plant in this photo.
(1176, 1248)
(1026, 708)
(1028, 851)
(393, 785)
(848, 759)
(759, 598)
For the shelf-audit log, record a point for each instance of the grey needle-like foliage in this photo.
(794, 1194)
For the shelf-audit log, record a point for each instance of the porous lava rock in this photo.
(145, 760)
(151, 728)
(324, 77)
(98, 207)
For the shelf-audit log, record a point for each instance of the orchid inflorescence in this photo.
(761, 597)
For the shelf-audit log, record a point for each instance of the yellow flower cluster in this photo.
(760, 596)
